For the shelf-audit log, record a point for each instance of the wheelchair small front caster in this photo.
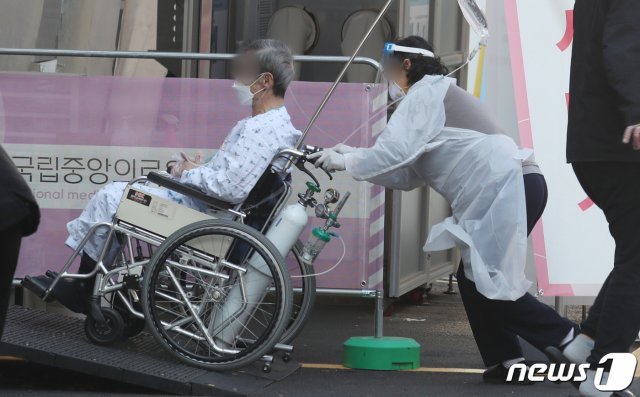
(266, 368)
(104, 332)
(132, 325)
(286, 357)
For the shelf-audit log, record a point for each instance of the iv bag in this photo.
(476, 19)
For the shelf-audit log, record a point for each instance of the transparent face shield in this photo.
(392, 66)
(390, 63)
(391, 48)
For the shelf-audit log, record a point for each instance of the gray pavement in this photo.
(439, 325)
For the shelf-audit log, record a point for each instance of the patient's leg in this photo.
(101, 208)
(74, 293)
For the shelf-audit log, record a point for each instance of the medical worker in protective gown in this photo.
(441, 136)
(263, 73)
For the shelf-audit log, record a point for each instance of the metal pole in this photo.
(342, 73)
(379, 314)
(173, 55)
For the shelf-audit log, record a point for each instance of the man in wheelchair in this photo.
(262, 75)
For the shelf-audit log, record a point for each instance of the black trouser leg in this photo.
(589, 326)
(615, 316)
(74, 294)
(9, 248)
(496, 344)
(87, 264)
(496, 324)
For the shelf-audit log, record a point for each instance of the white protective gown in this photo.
(230, 175)
(479, 175)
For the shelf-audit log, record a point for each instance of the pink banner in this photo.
(69, 135)
(572, 247)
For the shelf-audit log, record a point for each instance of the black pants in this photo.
(9, 249)
(497, 324)
(614, 318)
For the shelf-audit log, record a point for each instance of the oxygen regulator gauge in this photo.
(331, 196)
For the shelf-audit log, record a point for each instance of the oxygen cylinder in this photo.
(288, 227)
(283, 233)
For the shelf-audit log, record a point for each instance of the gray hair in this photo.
(275, 57)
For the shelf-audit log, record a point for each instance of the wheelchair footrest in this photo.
(66, 291)
(38, 285)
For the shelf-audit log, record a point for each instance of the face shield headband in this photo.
(391, 48)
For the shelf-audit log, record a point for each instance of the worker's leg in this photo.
(496, 344)
(527, 317)
(495, 324)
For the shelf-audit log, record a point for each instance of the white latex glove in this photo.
(632, 135)
(343, 149)
(329, 160)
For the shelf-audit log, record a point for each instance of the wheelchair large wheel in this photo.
(304, 297)
(217, 294)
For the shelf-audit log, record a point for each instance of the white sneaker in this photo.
(588, 388)
(579, 349)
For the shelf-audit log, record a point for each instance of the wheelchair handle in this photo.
(300, 157)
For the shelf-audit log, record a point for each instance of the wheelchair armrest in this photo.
(188, 191)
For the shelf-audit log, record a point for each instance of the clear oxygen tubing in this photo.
(344, 253)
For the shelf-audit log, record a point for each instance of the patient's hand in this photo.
(184, 163)
(189, 166)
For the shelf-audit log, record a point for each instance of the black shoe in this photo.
(498, 375)
(38, 285)
(555, 355)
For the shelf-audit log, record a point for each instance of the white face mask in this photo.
(243, 92)
(395, 91)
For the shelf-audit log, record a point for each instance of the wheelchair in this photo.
(211, 288)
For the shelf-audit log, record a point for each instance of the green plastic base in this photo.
(381, 354)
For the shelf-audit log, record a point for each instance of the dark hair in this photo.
(420, 65)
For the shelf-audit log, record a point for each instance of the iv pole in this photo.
(371, 352)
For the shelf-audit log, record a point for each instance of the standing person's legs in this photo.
(614, 320)
(495, 324)
(10, 248)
